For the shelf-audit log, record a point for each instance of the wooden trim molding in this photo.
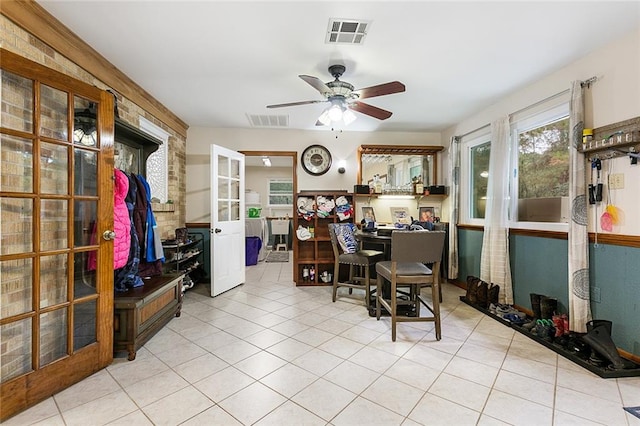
(611, 239)
(36, 20)
(615, 239)
(198, 225)
(294, 162)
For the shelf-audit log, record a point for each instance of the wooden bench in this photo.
(139, 313)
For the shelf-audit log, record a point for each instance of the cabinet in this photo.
(316, 253)
(185, 258)
(140, 312)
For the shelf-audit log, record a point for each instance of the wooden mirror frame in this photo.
(399, 150)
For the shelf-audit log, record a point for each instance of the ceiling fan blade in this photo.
(317, 84)
(375, 112)
(294, 104)
(381, 90)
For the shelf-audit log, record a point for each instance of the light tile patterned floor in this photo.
(270, 353)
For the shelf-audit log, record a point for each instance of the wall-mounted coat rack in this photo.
(614, 140)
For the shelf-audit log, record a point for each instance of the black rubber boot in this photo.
(535, 304)
(472, 289)
(600, 341)
(548, 306)
(493, 294)
(483, 301)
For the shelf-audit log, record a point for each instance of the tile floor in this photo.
(270, 353)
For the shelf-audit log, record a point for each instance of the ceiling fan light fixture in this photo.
(335, 112)
(348, 117)
(324, 117)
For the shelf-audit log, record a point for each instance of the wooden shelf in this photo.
(614, 140)
(317, 252)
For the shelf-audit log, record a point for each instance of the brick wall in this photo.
(17, 214)
(17, 40)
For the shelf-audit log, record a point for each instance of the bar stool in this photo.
(359, 261)
(410, 251)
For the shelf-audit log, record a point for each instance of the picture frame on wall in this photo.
(427, 214)
(400, 216)
(368, 214)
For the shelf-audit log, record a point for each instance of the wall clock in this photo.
(316, 160)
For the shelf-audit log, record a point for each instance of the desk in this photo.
(373, 241)
(370, 239)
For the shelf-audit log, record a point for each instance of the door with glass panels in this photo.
(227, 220)
(56, 214)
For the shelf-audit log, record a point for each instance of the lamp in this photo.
(266, 161)
(337, 112)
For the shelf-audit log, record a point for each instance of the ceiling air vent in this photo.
(347, 31)
(265, 120)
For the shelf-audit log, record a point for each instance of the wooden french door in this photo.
(56, 253)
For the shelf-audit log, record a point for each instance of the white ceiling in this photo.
(214, 62)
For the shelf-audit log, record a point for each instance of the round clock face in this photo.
(316, 160)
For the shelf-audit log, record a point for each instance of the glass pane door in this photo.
(56, 287)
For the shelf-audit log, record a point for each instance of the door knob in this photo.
(109, 235)
(217, 230)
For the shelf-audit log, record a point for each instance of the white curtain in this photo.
(454, 196)
(579, 299)
(494, 260)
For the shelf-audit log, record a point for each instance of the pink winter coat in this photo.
(121, 221)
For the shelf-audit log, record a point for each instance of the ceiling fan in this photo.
(344, 98)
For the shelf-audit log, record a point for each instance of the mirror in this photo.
(398, 166)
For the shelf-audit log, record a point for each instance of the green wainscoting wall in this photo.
(539, 265)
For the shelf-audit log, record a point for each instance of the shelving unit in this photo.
(614, 140)
(185, 259)
(316, 252)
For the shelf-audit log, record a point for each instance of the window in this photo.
(540, 170)
(474, 176)
(479, 156)
(542, 184)
(280, 192)
(158, 162)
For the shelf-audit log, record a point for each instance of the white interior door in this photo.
(227, 219)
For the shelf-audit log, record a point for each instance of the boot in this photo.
(535, 305)
(600, 341)
(472, 290)
(493, 294)
(548, 306)
(483, 288)
(595, 358)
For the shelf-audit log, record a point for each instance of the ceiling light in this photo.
(348, 117)
(335, 113)
(266, 161)
(324, 117)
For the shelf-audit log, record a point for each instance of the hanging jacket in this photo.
(121, 220)
(153, 246)
(140, 213)
(127, 276)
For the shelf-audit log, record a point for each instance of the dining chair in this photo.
(347, 251)
(410, 251)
